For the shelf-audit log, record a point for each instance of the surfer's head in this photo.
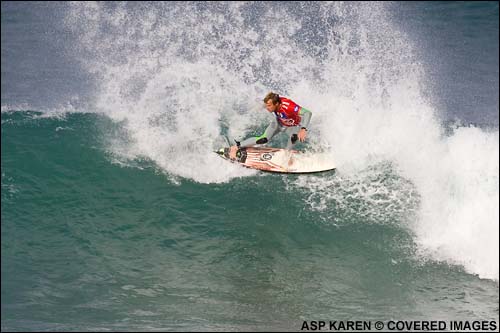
(272, 101)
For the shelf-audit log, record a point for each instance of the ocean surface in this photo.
(116, 215)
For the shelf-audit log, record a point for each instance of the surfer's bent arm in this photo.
(305, 115)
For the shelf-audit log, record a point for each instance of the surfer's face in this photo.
(270, 106)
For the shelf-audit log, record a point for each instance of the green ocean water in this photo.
(116, 215)
(88, 244)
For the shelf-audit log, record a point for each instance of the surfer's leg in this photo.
(292, 136)
(270, 131)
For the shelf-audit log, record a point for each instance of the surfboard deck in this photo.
(279, 160)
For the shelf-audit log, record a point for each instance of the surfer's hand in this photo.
(232, 152)
(302, 135)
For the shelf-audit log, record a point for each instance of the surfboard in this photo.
(280, 160)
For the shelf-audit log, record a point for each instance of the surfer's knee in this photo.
(262, 140)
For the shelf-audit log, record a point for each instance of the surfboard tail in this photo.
(224, 152)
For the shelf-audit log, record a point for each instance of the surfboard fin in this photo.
(227, 141)
(223, 152)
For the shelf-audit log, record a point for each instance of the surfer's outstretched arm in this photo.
(270, 131)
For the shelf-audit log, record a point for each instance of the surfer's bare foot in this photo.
(232, 152)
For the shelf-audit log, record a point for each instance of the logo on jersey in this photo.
(284, 119)
(288, 122)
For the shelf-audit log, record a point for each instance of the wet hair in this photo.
(273, 97)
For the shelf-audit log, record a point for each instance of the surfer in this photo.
(290, 118)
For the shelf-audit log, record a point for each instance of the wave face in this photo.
(179, 74)
(114, 202)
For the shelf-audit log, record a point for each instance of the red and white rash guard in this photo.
(288, 113)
